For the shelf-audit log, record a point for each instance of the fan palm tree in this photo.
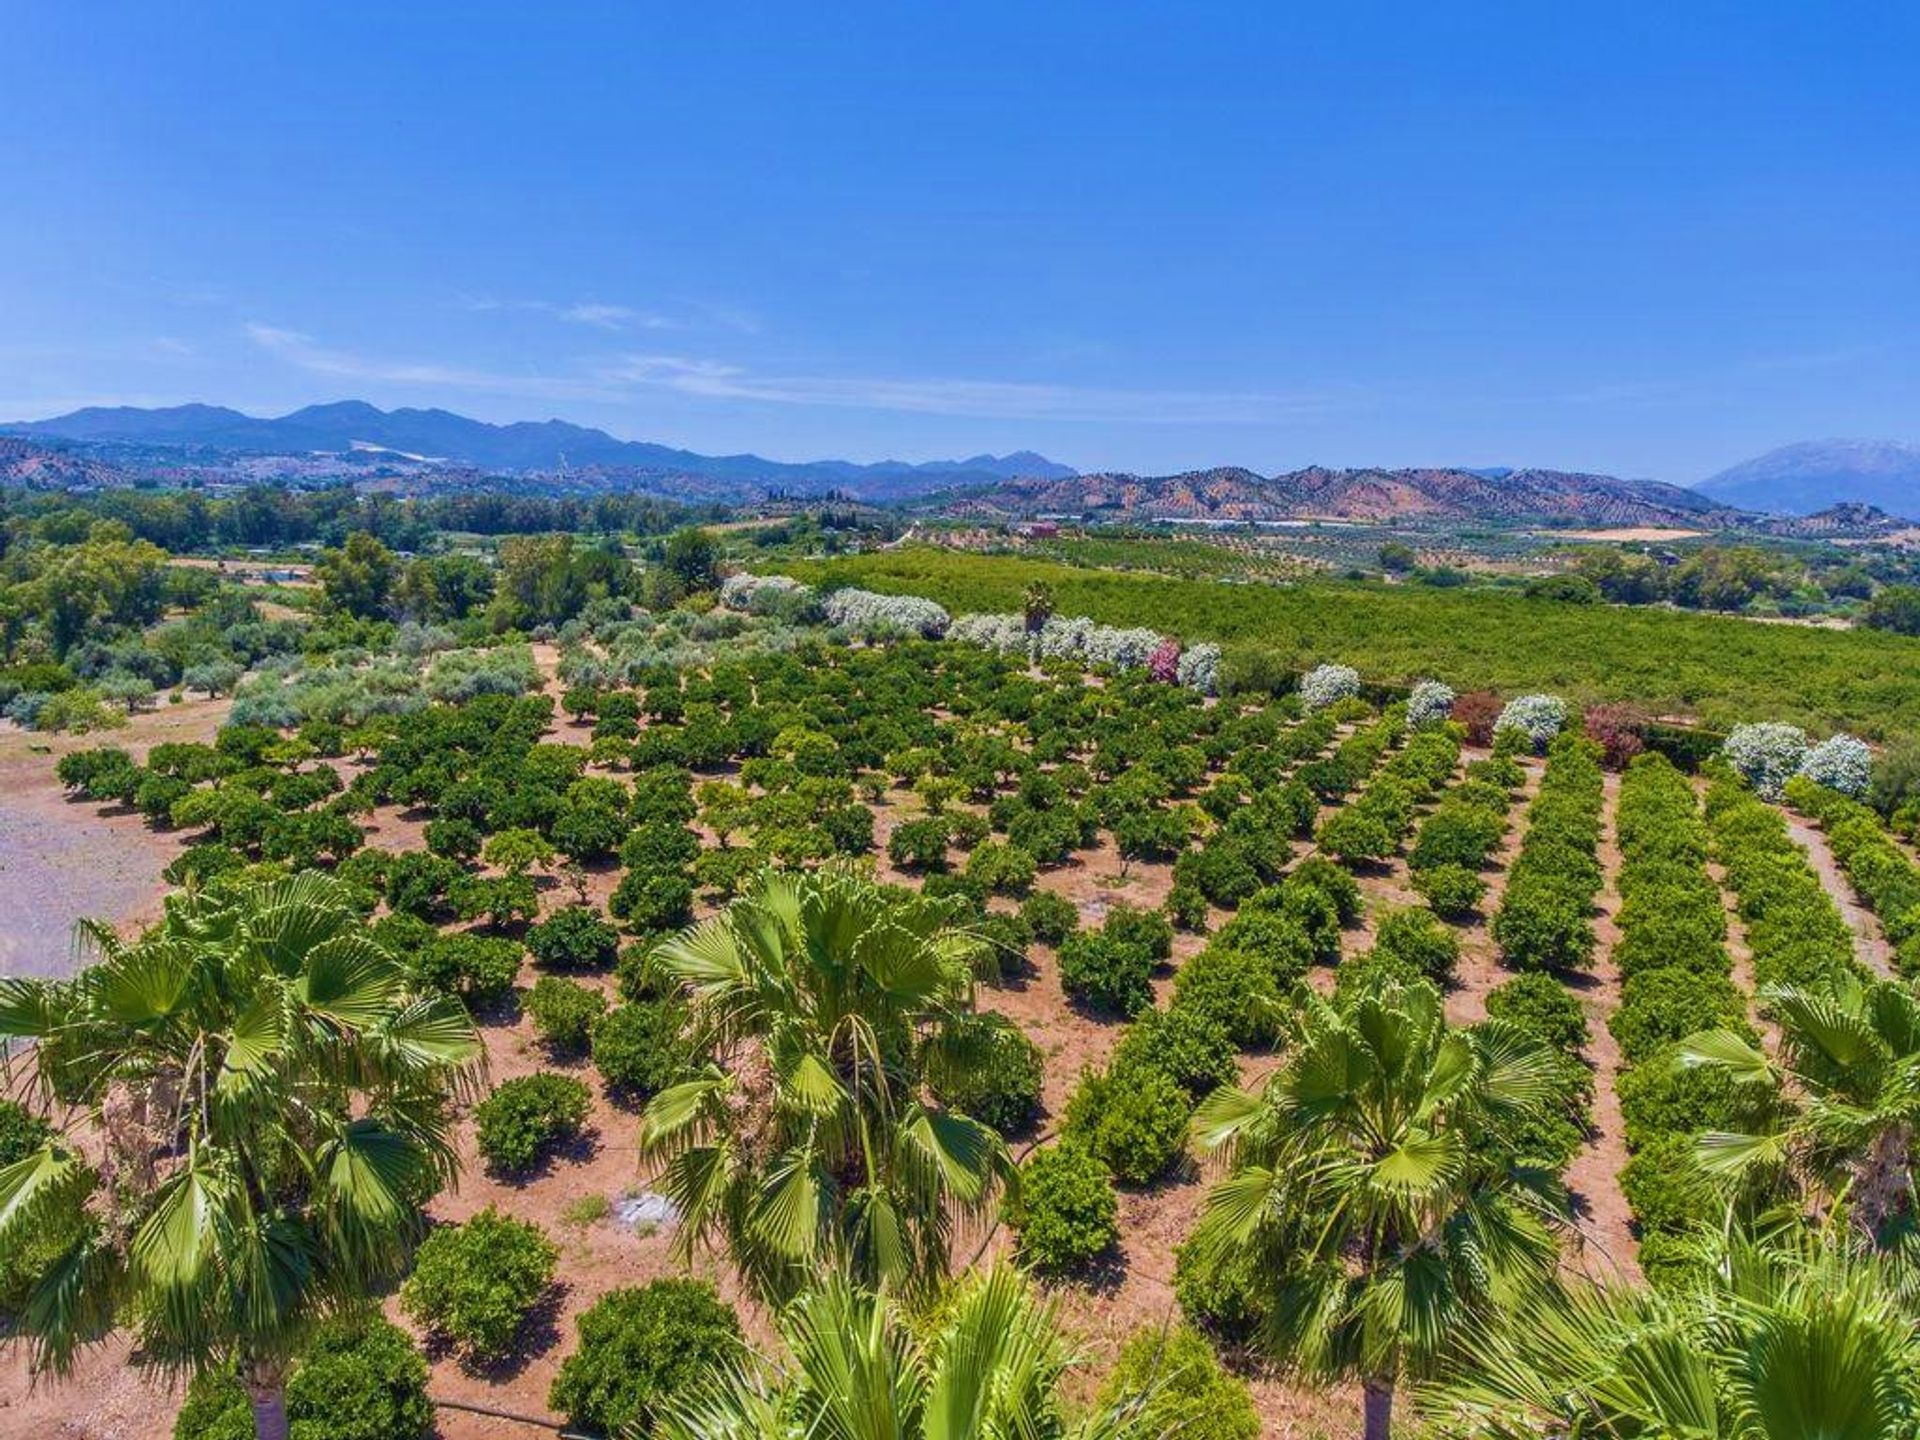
(1366, 1191)
(1802, 1336)
(825, 1003)
(255, 1109)
(988, 1369)
(1037, 606)
(1847, 1078)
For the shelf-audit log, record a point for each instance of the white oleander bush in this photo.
(1003, 634)
(1539, 717)
(1430, 704)
(1326, 685)
(1841, 763)
(869, 614)
(1200, 668)
(1767, 755)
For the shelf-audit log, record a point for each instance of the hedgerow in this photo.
(1882, 875)
(1545, 920)
(1794, 931)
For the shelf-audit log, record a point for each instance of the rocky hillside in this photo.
(1233, 494)
(49, 467)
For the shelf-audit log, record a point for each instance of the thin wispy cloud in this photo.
(983, 399)
(705, 378)
(605, 315)
(304, 353)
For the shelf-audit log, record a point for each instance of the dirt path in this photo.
(1594, 1176)
(1870, 942)
(62, 860)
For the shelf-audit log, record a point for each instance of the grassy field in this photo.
(1719, 670)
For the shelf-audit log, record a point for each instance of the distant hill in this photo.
(40, 466)
(1818, 474)
(525, 447)
(1531, 496)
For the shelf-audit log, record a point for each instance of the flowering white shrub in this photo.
(1325, 685)
(1005, 634)
(1538, 717)
(1430, 704)
(1767, 755)
(867, 613)
(1122, 649)
(1841, 763)
(1065, 639)
(1200, 668)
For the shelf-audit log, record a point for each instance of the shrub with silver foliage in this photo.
(1003, 634)
(1200, 668)
(1122, 649)
(757, 593)
(1768, 755)
(867, 613)
(1538, 717)
(1326, 685)
(1430, 704)
(1841, 763)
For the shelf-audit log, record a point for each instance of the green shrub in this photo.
(1316, 872)
(522, 1121)
(417, 883)
(563, 1012)
(1185, 1043)
(1052, 918)
(479, 969)
(1003, 1088)
(638, 1047)
(1666, 1188)
(1453, 891)
(476, 1283)
(1541, 1004)
(1220, 1291)
(919, 844)
(453, 837)
(574, 937)
(1188, 1393)
(652, 901)
(1659, 1096)
(357, 1379)
(1134, 1120)
(1417, 939)
(1004, 869)
(1187, 907)
(1148, 929)
(1660, 1006)
(640, 1347)
(1106, 973)
(1276, 938)
(1007, 936)
(1066, 1212)
(1236, 989)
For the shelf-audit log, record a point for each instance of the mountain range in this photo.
(353, 440)
(1236, 495)
(1816, 474)
(524, 447)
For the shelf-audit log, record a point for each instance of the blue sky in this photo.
(1644, 239)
